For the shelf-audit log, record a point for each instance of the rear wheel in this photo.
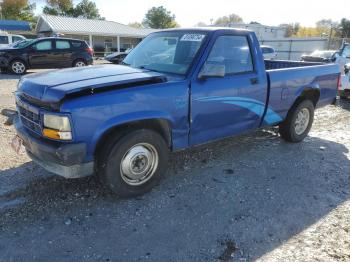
(79, 63)
(18, 67)
(134, 163)
(298, 122)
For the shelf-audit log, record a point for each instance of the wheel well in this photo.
(160, 126)
(308, 94)
(18, 59)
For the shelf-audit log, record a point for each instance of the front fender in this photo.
(124, 119)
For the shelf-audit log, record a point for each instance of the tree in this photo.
(135, 25)
(325, 23)
(292, 29)
(200, 24)
(345, 28)
(59, 7)
(227, 20)
(326, 26)
(18, 10)
(87, 9)
(158, 18)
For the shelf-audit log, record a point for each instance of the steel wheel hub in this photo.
(139, 164)
(302, 121)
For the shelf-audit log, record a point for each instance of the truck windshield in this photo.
(168, 52)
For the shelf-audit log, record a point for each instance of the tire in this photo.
(132, 164)
(298, 122)
(18, 67)
(79, 63)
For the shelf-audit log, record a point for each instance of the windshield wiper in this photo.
(144, 67)
(123, 63)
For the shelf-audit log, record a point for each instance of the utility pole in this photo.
(330, 37)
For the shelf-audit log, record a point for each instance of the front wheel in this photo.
(298, 122)
(18, 67)
(133, 164)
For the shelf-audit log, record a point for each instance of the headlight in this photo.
(57, 127)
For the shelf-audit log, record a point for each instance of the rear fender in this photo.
(311, 92)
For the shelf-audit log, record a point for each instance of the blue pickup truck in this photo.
(177, 89)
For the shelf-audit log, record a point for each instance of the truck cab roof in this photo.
(206, 29)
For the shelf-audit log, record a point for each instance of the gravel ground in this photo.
(253, 197)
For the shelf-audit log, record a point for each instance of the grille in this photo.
(30, 117)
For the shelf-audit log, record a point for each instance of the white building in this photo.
(263, 32)
(104, 36)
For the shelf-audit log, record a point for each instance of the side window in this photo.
(4, 39)
(44, 45)
(16, 38)
(76, 44)
(62, 44)
(233, 53)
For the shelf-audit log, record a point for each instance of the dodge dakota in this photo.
(177, 89)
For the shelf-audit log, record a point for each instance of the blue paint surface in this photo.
(196, 111)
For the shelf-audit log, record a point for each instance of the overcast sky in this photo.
(189, 13)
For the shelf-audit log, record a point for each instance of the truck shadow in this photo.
(254, 192)
(344, 103)
(6, 76)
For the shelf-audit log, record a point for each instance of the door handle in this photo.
(254, 81)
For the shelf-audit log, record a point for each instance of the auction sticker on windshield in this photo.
(192, 37)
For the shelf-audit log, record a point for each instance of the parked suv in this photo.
(47, 52)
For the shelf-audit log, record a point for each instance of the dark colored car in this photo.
(323, 56)
(117, 57)
(43, 53)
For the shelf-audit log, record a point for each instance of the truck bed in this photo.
(280, 64)
(287, 79)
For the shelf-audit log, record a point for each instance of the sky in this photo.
(188, 13)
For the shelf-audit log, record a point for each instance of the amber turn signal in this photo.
(57, 135)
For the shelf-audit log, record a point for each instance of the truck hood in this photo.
(51, 87)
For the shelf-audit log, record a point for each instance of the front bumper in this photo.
(59, 158)
(3, 62)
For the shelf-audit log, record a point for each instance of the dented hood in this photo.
(54, 86)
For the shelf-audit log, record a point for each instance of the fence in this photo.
(294, 48)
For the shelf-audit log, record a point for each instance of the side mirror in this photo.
(212, 70)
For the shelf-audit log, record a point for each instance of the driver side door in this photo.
(233, 101)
